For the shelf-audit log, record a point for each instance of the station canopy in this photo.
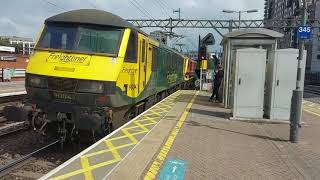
(252, 33)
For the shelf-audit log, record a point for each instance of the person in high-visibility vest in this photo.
(216, 83)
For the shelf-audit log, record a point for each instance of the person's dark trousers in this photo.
(215, 92)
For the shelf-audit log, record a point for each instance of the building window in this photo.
(318, 56)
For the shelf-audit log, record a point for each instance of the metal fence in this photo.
(14, 73)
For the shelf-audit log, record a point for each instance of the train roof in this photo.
(92, 16)
(171, 49)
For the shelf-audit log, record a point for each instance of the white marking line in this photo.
(13, 93)
(13, 89)
(54, 171)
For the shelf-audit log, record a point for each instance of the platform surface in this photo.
(187, 137)
(11, 88)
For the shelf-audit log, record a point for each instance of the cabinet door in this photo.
(284, 82)
(249, 83)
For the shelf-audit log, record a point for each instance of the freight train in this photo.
(90, 65)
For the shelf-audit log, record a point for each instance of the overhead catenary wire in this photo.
(163, 10)
(55, 5)
(147, 12)
(165, 7)
(142, 12)
(164, 3)
(91, 4)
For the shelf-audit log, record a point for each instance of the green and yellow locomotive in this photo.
(89, 65)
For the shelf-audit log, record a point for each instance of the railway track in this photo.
(28, 166)
(6, 126)
(312, 90)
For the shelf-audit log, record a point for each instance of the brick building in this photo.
(288, 9)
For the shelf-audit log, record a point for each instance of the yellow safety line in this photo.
(113, 150)
(130, 136)
(141, 120)
(162, 109)
(133, 127)
(312, 112)
(142, 126)
(127, 135)
(65, 176)
(157, 163)
(155, 113)
(86, 167)
(73, 173)
(105, 163)
(150, 119)
(169, 107)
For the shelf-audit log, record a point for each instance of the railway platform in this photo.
(12, 88)
(186, 137)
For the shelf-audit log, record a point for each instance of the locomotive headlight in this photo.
(36, 81)
(91, 87)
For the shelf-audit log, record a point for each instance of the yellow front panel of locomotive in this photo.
(72, 65)
(98, 67)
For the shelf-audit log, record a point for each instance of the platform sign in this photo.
(173, 170)
(304, 32)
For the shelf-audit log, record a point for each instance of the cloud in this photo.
(25, 18)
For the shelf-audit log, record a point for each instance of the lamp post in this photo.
(177, 11)
(297, 95)
(239, 12)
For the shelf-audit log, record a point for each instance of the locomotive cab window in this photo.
(131, 54)
(80, 38)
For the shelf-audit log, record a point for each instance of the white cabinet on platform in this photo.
(281, 78)
(249, 80)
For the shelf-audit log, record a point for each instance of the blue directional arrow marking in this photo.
(173, 170)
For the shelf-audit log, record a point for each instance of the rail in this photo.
(312, 91)
(15, 73)
(14, 96)
(17, 161)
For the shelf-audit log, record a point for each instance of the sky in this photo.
(25, 18)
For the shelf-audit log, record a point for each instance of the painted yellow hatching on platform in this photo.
(157, 163)
(312, 108)
(147, 119)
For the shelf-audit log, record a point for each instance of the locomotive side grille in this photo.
(62, 84)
